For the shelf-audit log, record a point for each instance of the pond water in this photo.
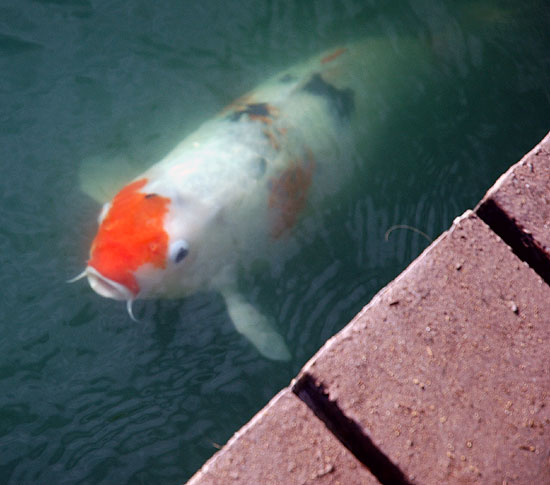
(89, 396)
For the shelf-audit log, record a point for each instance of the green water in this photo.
(87, 395)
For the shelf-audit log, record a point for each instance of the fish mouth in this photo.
(106, 287)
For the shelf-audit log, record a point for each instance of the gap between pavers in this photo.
(517, 208)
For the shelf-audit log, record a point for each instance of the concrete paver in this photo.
(283, 444)
(447, 370)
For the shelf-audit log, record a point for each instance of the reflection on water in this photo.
(87, 394)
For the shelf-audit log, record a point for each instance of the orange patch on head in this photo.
(131, 235)
(333, 55)
(288, 196)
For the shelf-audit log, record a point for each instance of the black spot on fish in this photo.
(150, 196)
(259, 167)
(252, 110)
(287, 78)
(341, 99)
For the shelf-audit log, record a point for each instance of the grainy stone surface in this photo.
(283, 444)
(447, 370)
(523, 194)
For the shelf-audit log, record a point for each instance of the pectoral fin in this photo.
(255, 327)
(102, 177)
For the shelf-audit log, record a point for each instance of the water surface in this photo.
(87, 395)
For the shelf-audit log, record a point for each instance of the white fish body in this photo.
(233, 191)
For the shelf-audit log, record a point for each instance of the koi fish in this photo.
(233, 192)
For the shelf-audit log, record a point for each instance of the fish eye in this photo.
(103, 212)
(178, 250)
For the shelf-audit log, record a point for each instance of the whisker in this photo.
(129, 304)
(79, 276)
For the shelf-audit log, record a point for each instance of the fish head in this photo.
(136, 252)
